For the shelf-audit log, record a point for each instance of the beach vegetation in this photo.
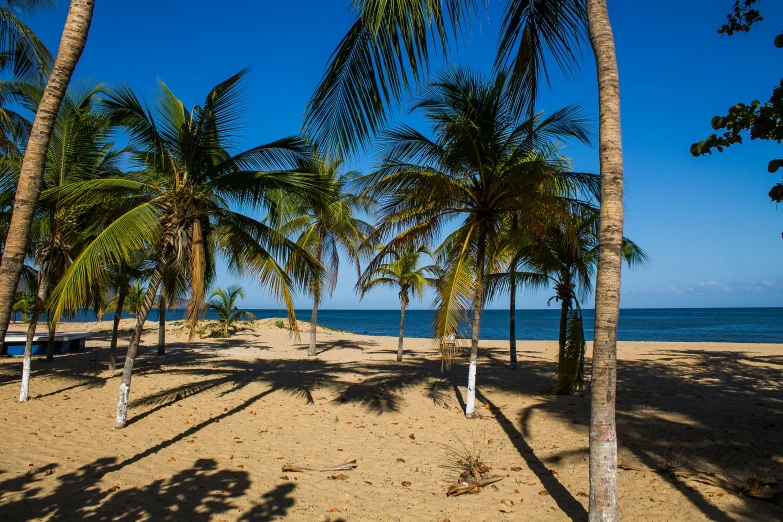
(404, 271)
(224, 304)
(488, 162)
(327, 227)
(177, 206)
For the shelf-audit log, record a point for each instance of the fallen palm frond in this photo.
(462, 488)
(339, 467)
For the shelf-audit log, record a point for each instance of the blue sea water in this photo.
(741, 325)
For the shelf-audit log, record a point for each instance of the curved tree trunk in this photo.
(512, 320)
(162, 325)
(470, 402)
(40, 299)
(603, 433)
(28, 189)
(133, 347)
(50, 342)
(403, 306)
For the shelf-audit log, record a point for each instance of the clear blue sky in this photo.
(713, 236)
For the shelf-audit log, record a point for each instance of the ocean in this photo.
(740, 325)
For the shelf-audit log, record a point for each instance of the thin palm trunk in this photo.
(28, 190)
(133, 347)
(50, 342)
(40, 299)
(115, 330)
(564, 307)
(162, 325)
(603, 432)
(313, 350)
(470, 403)
(403, 306)
(512, 320)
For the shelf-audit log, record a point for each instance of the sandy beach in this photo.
(212, 423)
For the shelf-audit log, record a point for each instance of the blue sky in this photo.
(707, 223)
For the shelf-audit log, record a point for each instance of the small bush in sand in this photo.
(753, 479)
(671, 460)
(279, 323)
(465, 461)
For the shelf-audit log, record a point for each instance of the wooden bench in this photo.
(65, 342)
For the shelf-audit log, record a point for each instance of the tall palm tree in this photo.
(566, 25)
(488, 162)
(80, 150)
(180, 206)
(402, 270)
(224, 304)
(603, 427)
(327, 227)
(28, 190)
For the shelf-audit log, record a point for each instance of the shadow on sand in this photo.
(724, 409)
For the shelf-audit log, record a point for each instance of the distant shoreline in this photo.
(730, 325)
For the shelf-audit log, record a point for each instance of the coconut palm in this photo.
(29, 186)
(80, 150)
(402, 270)
(224, 304)
(603, 424)
(328, 228)
(488, 162)
(180, 206)
(371, 68)
(566, 24)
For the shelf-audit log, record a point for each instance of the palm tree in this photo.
(488, 162)
(223, 303)
(179, 207)
(400, 269)
(80, 149)
(28, 190)
(603, 427)
(368, 71)
(326, 229)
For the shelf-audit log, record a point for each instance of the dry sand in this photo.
(211, 425)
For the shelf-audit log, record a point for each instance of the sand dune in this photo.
(212, 423)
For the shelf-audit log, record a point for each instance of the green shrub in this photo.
(279, 323)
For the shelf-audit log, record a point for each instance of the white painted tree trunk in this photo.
(40, 299)
(470, 403)
(127, 372)
(24, 395)
(478, 301)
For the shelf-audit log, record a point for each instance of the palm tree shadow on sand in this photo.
(720, 410)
